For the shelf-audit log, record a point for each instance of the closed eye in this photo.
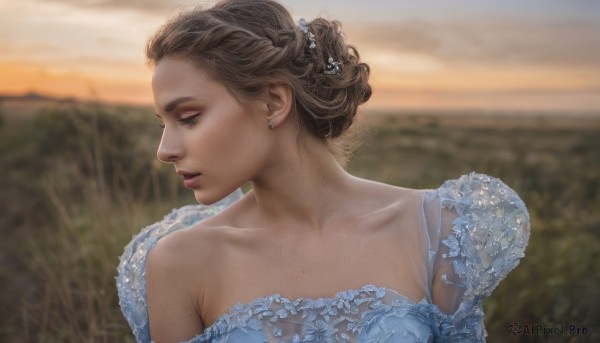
(189, 120)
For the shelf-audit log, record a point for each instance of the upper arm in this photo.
(478, 237)
(172, 303)
(446, 289)
(444, 286)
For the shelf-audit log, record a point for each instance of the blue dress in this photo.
(475, 228)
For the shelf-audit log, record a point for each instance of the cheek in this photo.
(246, 148)
(235, 145)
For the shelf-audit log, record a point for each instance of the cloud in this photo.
(57, 32)
(487, 42)
(482, 39)
(152, 6)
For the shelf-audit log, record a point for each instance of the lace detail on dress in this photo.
(367, 315)
(487, 240)
(489, 235)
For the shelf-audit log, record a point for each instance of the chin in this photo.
(208, 198)
(204, 199)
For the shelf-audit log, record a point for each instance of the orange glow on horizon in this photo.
(465, 57)
(23, 79)
(442, 88)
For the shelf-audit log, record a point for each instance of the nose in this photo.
(170, 149)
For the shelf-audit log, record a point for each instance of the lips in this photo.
(189, 176)
(190, 179)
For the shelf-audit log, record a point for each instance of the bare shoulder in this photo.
(191, 256)
(178, 269)
(388, 207)
(389, 195)
(195, 246)
(182, 247)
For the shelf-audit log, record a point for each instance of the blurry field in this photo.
(78, 181)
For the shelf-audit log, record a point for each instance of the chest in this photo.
(258, 266)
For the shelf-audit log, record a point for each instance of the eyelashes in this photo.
(187, 121)
(190, 120)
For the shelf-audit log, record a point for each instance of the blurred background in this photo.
(508, 88)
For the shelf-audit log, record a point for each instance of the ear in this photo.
(279, 103)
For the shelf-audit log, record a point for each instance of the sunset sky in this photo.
(424, 54)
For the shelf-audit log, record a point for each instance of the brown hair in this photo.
(249, 44)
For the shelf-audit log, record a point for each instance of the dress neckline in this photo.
(340, 298)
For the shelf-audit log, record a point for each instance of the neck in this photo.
(303, 189)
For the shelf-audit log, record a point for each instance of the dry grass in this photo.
(73, 221)
(65, 227)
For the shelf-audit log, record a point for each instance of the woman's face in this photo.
(215, 142)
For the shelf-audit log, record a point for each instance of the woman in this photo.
(311, 253)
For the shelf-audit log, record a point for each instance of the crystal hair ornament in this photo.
(311, 37)
(332, 67)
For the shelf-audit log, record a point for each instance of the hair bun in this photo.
(336, 96)
(249, 44)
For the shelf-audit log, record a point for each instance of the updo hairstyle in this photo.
(249, 44)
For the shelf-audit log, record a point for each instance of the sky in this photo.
(524, 55)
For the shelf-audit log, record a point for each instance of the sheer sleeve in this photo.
(478, 229)
(131, 272)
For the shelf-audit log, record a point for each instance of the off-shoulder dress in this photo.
(475, 232)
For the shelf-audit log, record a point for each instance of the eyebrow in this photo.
(171, 105)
